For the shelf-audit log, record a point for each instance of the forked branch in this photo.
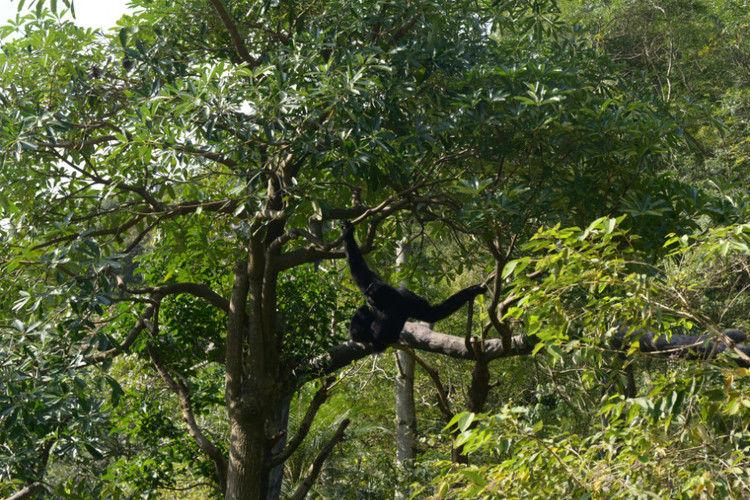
(317, 464)
(304, 427)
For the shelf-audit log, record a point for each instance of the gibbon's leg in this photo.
(365, 327)
(388, 325)
(360, 328)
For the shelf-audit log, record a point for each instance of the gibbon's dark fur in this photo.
(381, 320)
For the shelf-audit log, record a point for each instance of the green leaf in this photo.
(474, 476)
(509, 267)
(93, 451)
(123, 37)
(117, 391)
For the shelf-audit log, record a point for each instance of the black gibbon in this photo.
(381, 320)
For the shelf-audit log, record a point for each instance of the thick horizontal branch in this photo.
(703, 347)
(122, 229)
(158, 293)
(77, 144)
(215, 157)
(198, 290)
(209, 155)
(304, 256)
(320, 250)
(164, 212)
(228, 206)
(418, 336)
(336, 358)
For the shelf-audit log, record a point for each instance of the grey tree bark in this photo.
(406, 415)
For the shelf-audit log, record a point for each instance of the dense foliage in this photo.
(174, 299)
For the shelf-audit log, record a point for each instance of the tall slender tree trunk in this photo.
(406, 415)
(406, 419)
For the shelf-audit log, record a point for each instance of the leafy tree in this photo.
(694, 53)
(695, 48)
(683, 435)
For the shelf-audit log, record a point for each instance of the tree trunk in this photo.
(246, 459)
(251, 385)
(406, 415)
(406, 419)
(476, 398)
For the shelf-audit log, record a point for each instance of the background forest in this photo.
(173, 291)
